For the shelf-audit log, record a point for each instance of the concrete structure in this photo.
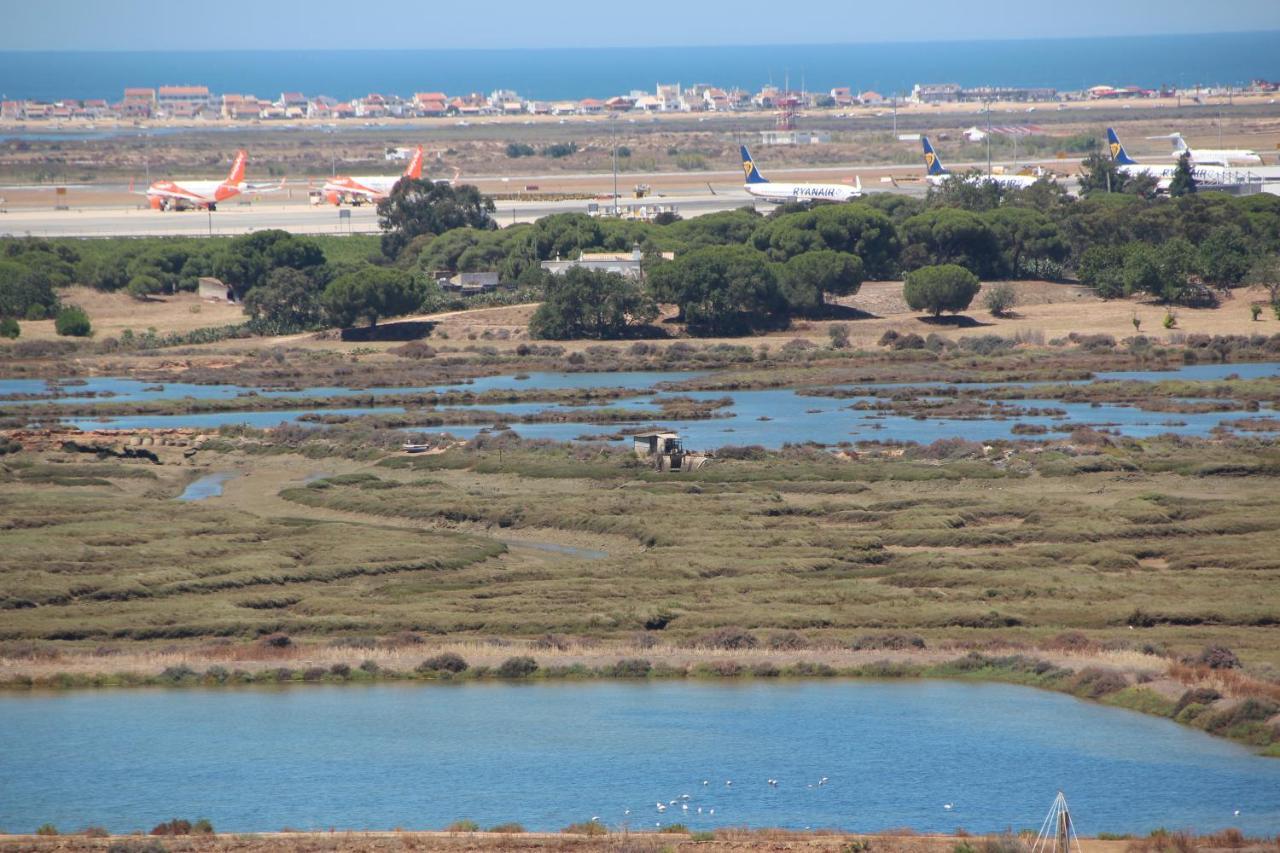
(935, 93)
(469, 283)
(214, 290)
(622, 263)
(666, 451)
(794, 137)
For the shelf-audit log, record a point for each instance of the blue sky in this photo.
(245, 24)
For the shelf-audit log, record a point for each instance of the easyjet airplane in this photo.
(204, 195)
(368, 188)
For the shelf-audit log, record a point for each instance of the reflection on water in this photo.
(208, 486)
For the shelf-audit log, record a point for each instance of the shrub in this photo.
(9, 328)
(202, 827)
(47, 829)
(1000, 299)
(511, 828)
(341, 670)
(175, 826)
(839, 334)
(517, 667)
(1218, 657)
(945, 287)
(674, 828)
(728, 638)
(549, 642)
(95, 832)
(630, 668)
(891, 641)
(463, 826)
(72, 322)
(276, 641)
(586, 827)
(783, 641)
(444, 662)
(1095, 681)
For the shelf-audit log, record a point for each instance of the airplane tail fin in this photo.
(237, 168)
(932, 165)
(857, 184)
(1117, 150)
(1179, 144)
(415, 165)
(749, 168)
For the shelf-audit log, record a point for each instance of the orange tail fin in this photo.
(415, 165)
(237, 168)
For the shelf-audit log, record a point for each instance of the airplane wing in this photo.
(263, 188)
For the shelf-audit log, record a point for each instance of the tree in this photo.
(585, 303)
(9, 327)
(73, 322)
(289, 300)
(970, 191)
(1030, 242)
(1224, 257)
(370, 294)
(856, 228)
(1183, 181)
(25, 292)
(721, 289)
(1000, 299)
(418, 206)
(247, 260)
(947, 235)
(143, 286)
(1099, 174)
(1265, 272)
(945, 287)
(1101, 267)
(808, 278)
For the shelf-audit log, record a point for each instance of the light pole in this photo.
(987, 103)
(613, 130)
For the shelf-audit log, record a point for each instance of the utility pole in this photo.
(895, 116)
(988, 105)
(613, 125)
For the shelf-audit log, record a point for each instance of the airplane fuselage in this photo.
(787, 193)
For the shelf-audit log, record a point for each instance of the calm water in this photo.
(1072, 63)
(546, 755)
(768, 417)
(208, 486)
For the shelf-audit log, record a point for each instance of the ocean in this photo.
(563, 73)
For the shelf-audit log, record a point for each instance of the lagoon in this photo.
(548, 754)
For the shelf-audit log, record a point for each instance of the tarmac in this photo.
(300, 218)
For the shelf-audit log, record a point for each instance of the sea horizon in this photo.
(555, 73)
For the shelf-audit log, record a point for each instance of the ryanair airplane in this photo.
(760, 187)
(935, 173)
(1163, 173)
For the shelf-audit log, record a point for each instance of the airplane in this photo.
(936, 173)
(204, 195)
(1212, 156)
(370, 188)
(1163, 173)
(760, 187)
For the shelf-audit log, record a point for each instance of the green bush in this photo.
(521, 666)
(9, 328)
(444, 662)
(73, 322)
(945, 287)
(47, 829)
(511, 828)
(586, 827)
(1000, 299)
(463, 826)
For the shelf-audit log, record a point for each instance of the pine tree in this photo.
(1184, 179)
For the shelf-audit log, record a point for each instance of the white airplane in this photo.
(1163, 173)
(777, 193)
(368, 188)
(1212, 156)
(205, 195)
(936, 173)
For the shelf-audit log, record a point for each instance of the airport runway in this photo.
(298, 218)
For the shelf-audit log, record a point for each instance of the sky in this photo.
(352, 24)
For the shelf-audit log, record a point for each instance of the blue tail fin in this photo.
(932, 165)
(1117, 150)
(749, 168)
